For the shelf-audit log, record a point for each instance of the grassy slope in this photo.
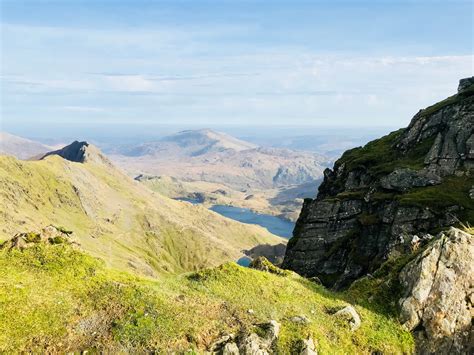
(115, 218)
(55, 298)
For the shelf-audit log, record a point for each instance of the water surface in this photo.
(275, 225)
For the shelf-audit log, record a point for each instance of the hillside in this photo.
(19, 147)
(116, 218)
(205, 155)
(381, 200)
(56, 299)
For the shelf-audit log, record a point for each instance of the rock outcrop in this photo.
(80, 152)
(438, 300)
(49, 234)
(413, 181)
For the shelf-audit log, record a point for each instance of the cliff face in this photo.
(381, 199)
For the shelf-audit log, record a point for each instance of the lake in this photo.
(275, 225)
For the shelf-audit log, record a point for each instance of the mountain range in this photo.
(206, 155)
(381, 259)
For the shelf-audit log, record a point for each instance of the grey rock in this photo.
(465, 83)
(406, 179)
(307, 347)
(438, 295)
(249, 344)
(230, 349)
(349, 314)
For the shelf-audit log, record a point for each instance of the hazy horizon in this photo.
(72, 68)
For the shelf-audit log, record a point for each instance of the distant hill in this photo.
(190, 143)
(115, 217)
(206, 155)
(19, 147)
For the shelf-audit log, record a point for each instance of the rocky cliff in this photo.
(383, 198)
(438, 295)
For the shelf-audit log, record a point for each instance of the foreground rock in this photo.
(350, 315)
(250, 343)
(410, 182)
(49, 234)
(438, 301)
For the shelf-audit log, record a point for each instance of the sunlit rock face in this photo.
(414, 181)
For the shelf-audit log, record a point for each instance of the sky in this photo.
(72, 64)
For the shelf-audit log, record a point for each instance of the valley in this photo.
(219, 169)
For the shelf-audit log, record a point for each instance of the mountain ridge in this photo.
(116, 218)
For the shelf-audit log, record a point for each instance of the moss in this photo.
(382, 290)
(380, 157)
(58, 240)
(32, 237)
(261, 263)
(453, 191)
(351, 195)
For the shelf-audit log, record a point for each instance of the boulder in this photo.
(437, 302)
(350, 315)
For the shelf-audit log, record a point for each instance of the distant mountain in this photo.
(19, 147)
(206, 155)
(190, 143)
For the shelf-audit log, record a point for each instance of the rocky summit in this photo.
(384, 199)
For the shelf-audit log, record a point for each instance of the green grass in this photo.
(379, 157)
(54, 298)
(453, 191)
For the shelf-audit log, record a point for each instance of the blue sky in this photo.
(321, 63)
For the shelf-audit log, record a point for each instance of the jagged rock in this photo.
(308, 347)
(349, 314)
(359, 215)
(250, 343)
(465, 83)
(405, 179)
(437, 303)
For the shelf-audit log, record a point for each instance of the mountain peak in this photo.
(80, 152)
